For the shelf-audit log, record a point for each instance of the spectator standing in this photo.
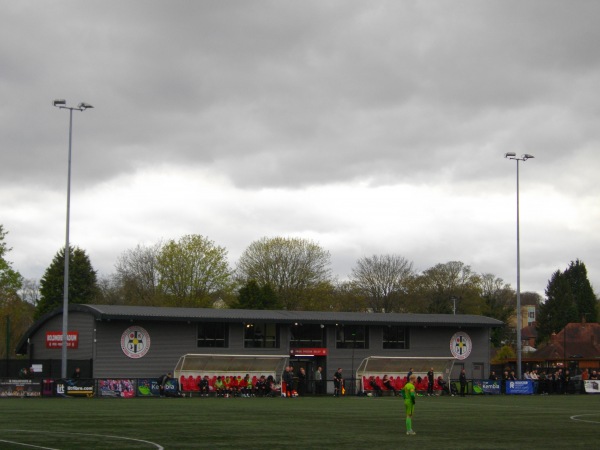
(566, 380)
(409, 403)
(462, 379)
(319, 381)
(76, 374)
(288, 378)
(338, 383)
(535, 379)
(302, 382)
(430, 381)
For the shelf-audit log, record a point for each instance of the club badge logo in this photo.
(461, 345)
(135, 342)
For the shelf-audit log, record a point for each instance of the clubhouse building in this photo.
(112, 341)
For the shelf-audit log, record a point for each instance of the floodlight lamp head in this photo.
(83, 106)
(527, 156)
(59, 102)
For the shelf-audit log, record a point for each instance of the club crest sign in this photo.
(461, 345)
(135, 342)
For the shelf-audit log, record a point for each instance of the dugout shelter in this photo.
(374, 368)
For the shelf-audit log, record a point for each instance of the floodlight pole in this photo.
(525, 157)
(62, 104)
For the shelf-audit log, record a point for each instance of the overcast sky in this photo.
(369, 127)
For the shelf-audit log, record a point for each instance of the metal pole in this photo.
(65, 321)
(62, 104)
(7, 345)
(519, 354)
(525, 157)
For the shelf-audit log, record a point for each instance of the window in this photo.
(307, 336)
(395, 337)
(261, 335)
(351, 336)
(213, 335)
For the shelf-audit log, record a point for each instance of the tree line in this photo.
(282, 273)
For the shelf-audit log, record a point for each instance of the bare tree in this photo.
(500, 304)
(383, 280)
(137, 275)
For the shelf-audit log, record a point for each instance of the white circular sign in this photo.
(135, 342)
(461, 345)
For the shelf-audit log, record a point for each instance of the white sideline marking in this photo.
(27, 445)
(157, 446)
(587, 421)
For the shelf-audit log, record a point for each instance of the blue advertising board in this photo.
(516, 387)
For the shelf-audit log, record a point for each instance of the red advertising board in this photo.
(54, 339)
(319, 351)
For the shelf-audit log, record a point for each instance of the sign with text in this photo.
(75, 388)
(318, 351)
(490, 387)
(524, 387)
(54, 339)
(20, 388)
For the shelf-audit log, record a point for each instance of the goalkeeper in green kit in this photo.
(409, 402)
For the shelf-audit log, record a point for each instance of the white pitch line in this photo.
(576, 418)
(157, 446)
(28, 445)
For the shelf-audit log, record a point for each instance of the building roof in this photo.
(576, 340)
(156, 313)
(115, 312)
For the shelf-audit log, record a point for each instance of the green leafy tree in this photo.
(83, 286)
(193, 272)
(437, 290)
(559, 308)
(384, 280)
(583, 294)
(294, 267)
(504, 354)
(10, 280)
(16, 315)
(254, 296)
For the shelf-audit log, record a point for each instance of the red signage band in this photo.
(318, 351)
(54, 339)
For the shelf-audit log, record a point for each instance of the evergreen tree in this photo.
(83, 286)
(559, 308)
(254, 296)
(583, 294)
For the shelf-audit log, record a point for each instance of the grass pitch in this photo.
(478, 422)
